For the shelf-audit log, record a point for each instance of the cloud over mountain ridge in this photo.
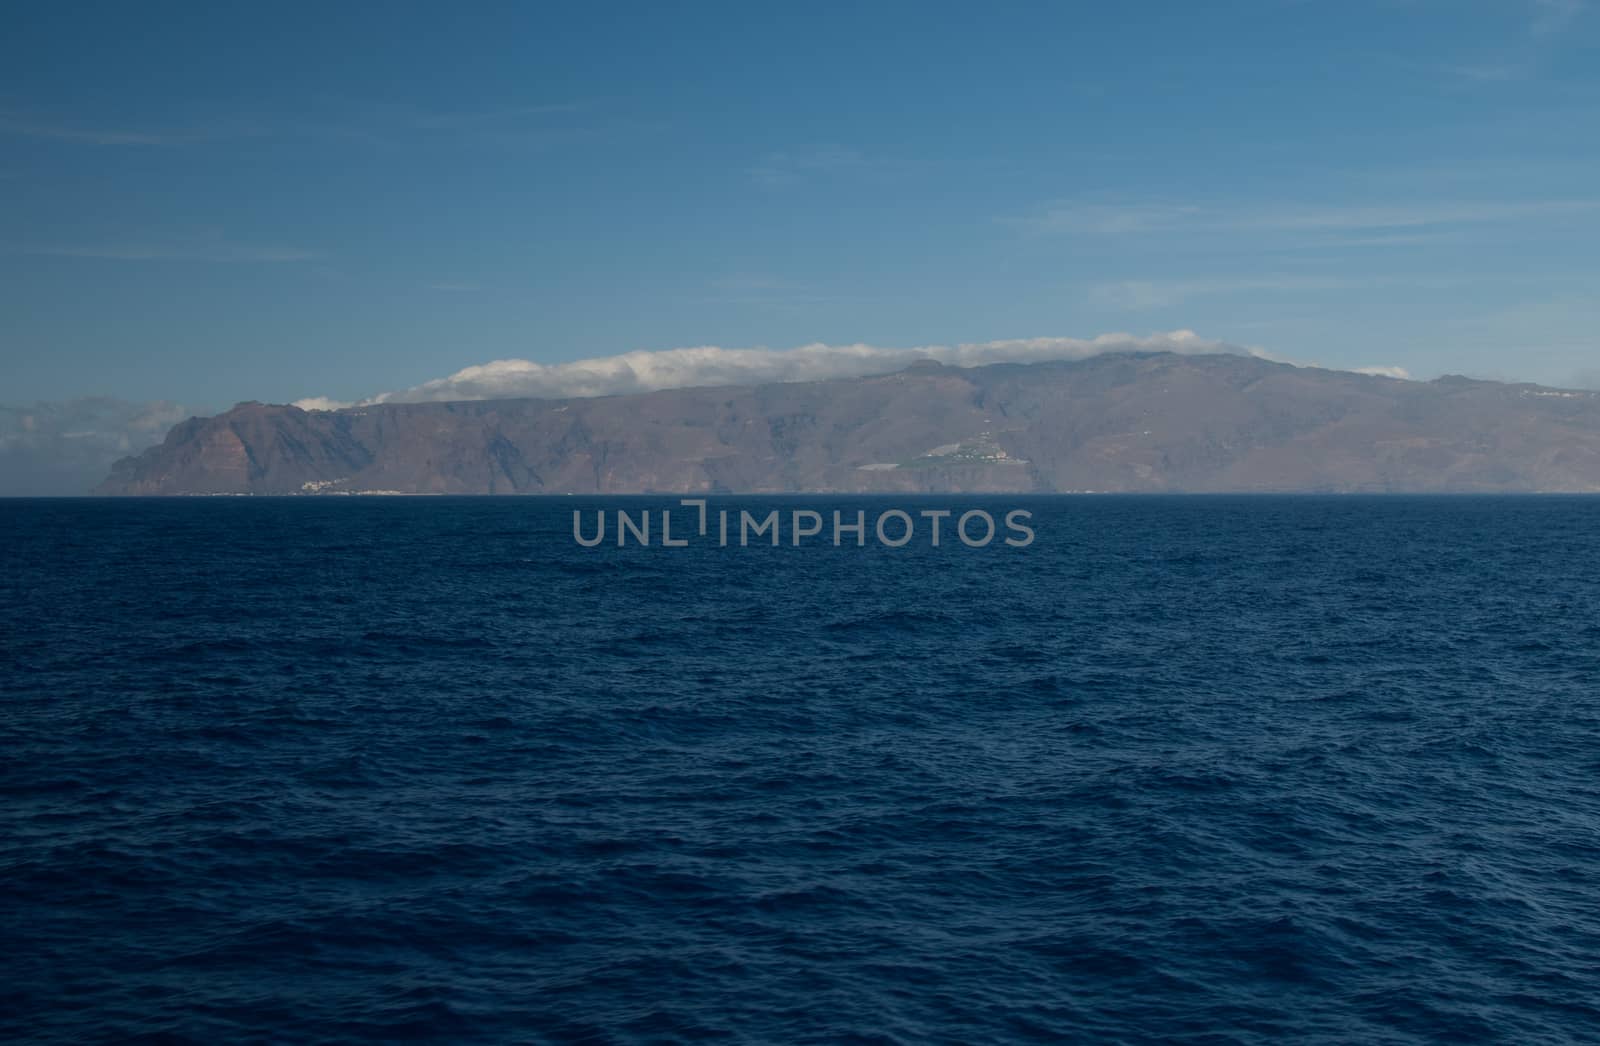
(649, 371)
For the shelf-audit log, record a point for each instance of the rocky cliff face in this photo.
(1155, 422)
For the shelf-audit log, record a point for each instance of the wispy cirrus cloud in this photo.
(469, 119)
(1484, 72)
(792, 167)
(772, 292)
(1164, 293)
(1358, 239)
(537, 126)
(140, 252)
(1517, 58)
(1116, 219)
(1159, 294)
(345, 121)
(1552, 17)
(88, 135)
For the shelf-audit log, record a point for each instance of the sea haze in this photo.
(1215, 769)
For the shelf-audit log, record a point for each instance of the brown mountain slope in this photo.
(1157, 422)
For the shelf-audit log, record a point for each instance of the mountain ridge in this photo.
(1127, 422)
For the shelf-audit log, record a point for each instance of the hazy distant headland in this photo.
(1150, 422)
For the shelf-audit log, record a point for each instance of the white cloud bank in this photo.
(711, 365)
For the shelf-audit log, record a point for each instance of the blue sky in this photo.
(210, 203)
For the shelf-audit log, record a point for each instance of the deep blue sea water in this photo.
(1207, 770)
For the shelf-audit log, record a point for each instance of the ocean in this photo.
(1197, 770)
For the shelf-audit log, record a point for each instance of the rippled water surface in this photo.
(1185, 770)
